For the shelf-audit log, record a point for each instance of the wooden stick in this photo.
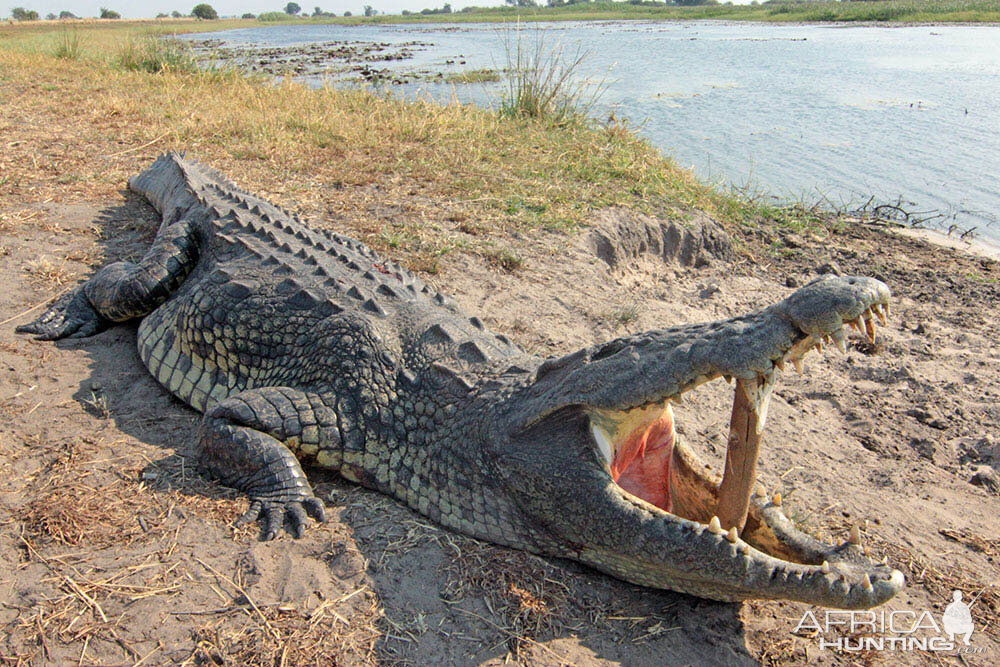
(741, 462)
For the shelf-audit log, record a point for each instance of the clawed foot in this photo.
(69, 316)
(272, 514)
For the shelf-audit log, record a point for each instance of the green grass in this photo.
(68, 47)
(543, 79)
(154, 54)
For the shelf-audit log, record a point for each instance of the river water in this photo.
(813, 113)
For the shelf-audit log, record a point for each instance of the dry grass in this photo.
(519, 589)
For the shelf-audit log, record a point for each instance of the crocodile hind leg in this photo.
(243, 444)
(123, 290)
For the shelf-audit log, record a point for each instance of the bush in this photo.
(248, 15)
(204, 11)
(271, 17)
(109, 14)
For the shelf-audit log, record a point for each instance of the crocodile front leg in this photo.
(245, 443)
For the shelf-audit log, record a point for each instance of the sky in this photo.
(132, 9)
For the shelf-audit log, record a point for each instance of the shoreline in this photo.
(978, 247)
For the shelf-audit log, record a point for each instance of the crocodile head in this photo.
(595, 461)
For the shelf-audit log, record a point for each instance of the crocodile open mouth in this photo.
(646, 458)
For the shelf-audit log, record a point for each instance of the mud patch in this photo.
(621, 236)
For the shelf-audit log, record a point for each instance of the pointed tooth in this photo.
(854, 535)
(885, 308)
(819, 346)
(825, 567)
(867, 582)
(729, 378)
(776, 499)
(880, 312)
(870, 330)
(797, 362)
(856, 325)
(603, 442)
(763, 402)
(714, 526)
(840, 338)
(732, 535)
(743, 548)
(779, 363)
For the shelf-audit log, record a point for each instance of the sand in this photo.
(113, 550)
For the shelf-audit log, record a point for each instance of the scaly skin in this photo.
(302, 345)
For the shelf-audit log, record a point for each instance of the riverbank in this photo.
(105, 531)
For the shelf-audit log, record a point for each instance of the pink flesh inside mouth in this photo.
(641, 465)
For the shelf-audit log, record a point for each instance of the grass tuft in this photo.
(69, 45)
(544, 81)
(154, 54)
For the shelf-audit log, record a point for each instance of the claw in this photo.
(251, 514)
(274, 515)
(314, 508)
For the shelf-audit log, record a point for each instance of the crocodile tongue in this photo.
(750, 403)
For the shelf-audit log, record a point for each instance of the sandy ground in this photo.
(113, 550)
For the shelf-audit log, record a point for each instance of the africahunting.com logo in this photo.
(893, 630)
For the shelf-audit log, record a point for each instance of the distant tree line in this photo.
(22, 14)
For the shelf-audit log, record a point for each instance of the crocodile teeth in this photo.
(732, 535)
(867, 582)
(856, 325)
(603, 442)
(825, 567)
(776, 499)
(797, 362)
(714, 526)
(854, 535)
(870, 329)
(779, 364)
(840, 338)
(759, 396)
(880, 312)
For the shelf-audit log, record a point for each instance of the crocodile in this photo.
(302, 346)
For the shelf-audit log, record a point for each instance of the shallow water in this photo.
(803, 112)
